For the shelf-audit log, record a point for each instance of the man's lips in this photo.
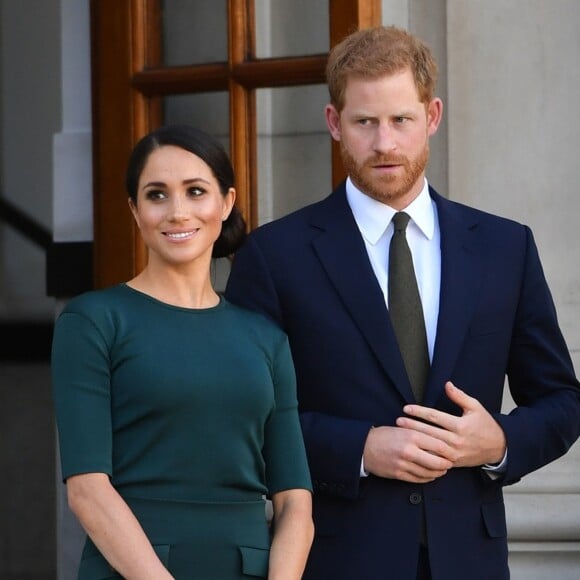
(386, 164)
(386, 167)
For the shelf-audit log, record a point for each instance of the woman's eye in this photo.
(155, 194)
(195, 191)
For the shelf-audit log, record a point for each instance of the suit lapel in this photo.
(461, 274)
(342, 253)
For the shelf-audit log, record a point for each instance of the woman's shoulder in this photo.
(95, 302)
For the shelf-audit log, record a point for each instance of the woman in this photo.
(176, 410)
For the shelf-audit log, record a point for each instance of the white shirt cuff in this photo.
(496, 470)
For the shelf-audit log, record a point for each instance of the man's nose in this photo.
(384, 140)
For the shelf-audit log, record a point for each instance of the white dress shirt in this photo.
(374, 221)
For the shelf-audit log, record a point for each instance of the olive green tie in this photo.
(405, 308)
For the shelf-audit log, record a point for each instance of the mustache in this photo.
(386, 160)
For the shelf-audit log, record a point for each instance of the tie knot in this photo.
(400, 221)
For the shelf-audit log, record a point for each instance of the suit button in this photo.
(415, 498)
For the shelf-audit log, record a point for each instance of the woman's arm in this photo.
(293, 534)
(113, 528)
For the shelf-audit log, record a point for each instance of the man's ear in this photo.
(434, 115)
(332, 121)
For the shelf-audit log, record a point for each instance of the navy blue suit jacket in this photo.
(310, 272)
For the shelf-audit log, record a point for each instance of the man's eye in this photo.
(364, 122)
(400, 120)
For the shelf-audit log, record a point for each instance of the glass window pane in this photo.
(294, 149)
(206, 111)
(194, 31)
(296, 28)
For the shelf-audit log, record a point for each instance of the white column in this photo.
(514, 85)
(72, 206)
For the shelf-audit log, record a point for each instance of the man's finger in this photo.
(460, 398)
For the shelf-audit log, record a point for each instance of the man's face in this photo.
(384, 131)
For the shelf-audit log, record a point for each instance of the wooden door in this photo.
(132, 78)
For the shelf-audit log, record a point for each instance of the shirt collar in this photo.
(373, 217)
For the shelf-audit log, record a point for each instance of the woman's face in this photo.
(180, 208)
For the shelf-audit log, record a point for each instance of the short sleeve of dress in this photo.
(284, 451)
(81, 392)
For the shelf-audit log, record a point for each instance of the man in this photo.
(408, 470)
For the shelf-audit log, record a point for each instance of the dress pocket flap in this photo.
(255, 561)
(96, 567)
(162, 551)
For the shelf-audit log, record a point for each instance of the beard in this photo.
(386, 188)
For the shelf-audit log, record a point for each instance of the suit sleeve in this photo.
(546, 421)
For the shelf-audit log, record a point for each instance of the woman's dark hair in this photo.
(208, 149)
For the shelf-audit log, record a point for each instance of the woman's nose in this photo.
(178, 208)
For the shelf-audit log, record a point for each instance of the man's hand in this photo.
(475, 438)
(405, 454)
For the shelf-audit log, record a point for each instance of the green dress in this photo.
(193, 415)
